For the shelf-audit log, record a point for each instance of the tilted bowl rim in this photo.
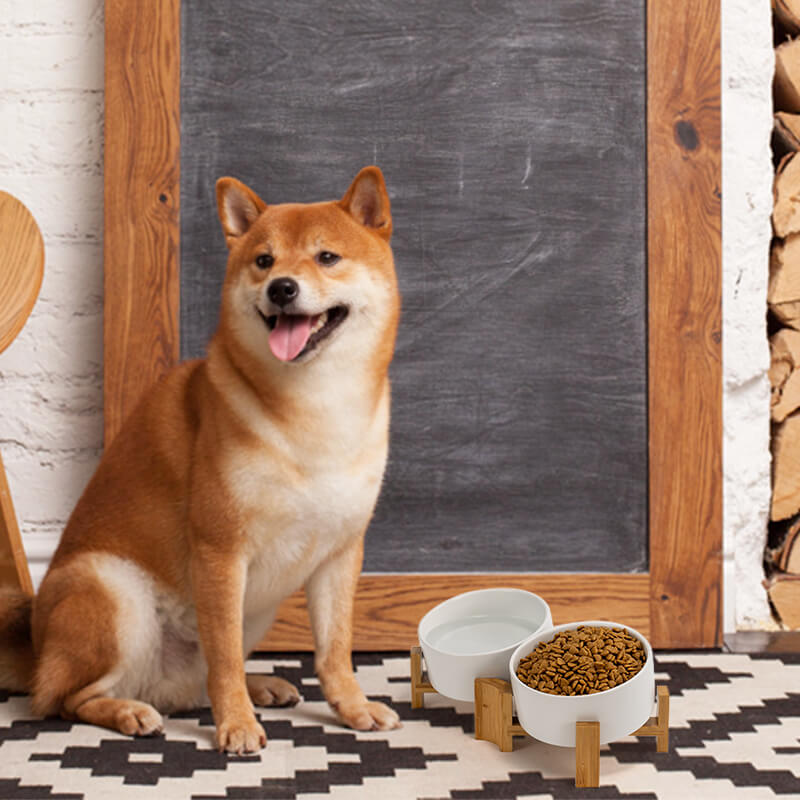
(489, 590)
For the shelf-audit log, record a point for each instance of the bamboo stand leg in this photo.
(658, 726)
(662, 738)
(587, 754)
(494, 713)
(419, 687)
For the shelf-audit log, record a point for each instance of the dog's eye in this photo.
(327, 259)
(264, 261)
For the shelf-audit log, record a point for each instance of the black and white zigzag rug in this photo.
(734, 734)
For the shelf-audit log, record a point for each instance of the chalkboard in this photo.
(512, 137)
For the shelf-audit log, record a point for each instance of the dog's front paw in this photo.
(241, 735)
(368, 716)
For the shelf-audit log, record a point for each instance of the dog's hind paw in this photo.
(139, 719)
(270, 690)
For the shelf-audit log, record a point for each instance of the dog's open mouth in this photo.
(293, 335)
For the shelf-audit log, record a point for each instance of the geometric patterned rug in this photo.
(734, 733)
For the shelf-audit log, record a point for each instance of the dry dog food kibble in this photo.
(585, 660)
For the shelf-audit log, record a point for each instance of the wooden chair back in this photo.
(21, 272)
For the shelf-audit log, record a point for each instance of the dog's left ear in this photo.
(238, 208)
(368, 202)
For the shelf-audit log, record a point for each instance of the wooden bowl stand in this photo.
(494, 721)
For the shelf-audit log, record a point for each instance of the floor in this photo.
(734, 733)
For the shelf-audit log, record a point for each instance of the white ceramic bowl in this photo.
(551, 718)
(473, 634)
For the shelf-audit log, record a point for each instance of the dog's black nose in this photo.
(282, 291)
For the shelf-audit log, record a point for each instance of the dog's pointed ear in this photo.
(238, 207)
(368, 201)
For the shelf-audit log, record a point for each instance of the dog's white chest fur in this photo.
(316, 519)
(296, 525)
(304, 503)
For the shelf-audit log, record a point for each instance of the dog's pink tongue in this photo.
(290, 334)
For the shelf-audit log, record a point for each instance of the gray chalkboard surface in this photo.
(512, 137)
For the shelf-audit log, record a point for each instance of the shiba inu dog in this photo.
(237, 479)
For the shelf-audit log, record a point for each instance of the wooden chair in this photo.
(21, 272)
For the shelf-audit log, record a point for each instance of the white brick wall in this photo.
(747, 68)
(51, 104)
(51, 114)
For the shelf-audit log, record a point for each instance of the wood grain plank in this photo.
(389, 607)
(685, 377)
(142, 194)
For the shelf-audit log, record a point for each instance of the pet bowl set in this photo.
(472, 645)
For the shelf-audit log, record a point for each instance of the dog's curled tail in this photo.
(16, 648)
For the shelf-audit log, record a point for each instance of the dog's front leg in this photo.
(330, 592)
(218, 580)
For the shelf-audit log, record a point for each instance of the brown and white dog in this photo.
(237, 479)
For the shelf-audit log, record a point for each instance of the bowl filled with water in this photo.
(473, 635)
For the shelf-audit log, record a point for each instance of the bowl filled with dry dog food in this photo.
(472, 635)
(586, 671)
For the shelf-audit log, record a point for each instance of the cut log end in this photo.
(786, 192)
(784, 593)
(784, 373)
(783, 293)
(786, 128)
(787, 12)
(786, 468)
(786, 86)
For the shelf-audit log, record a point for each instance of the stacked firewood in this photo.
(783, 554)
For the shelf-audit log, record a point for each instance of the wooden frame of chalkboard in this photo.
(678, 602)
